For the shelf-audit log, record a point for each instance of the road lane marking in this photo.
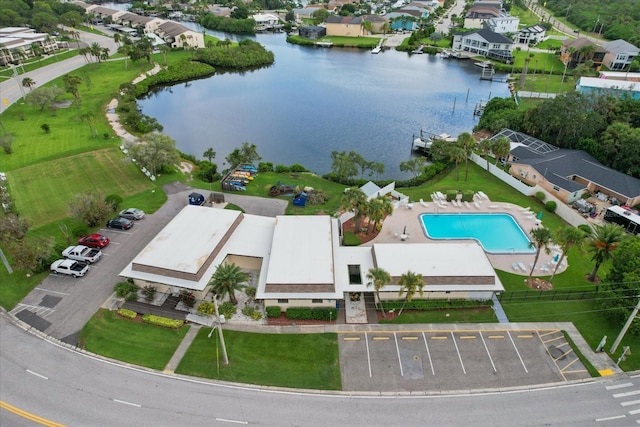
(552, 339)
(53, 292)
(629, 393)
(124, 402)
(458, 351)
(381, 338)
(548, 333)
(611, 418)
(468, 337)
(488, 354)
(634, 412)
(494, 337)
(366, 337)
(617, 386)
(29, 416)
(409, 338)
(37, 374)
(517, 352)
(524, 336)
(226, 420)
(395, 337)
(571, 363)
(631, 402)
(351, 339)
(439, 338)
(424, 338)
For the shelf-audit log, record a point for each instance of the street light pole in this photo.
(616, 343)
(225, 359)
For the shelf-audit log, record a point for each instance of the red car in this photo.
(94, 241)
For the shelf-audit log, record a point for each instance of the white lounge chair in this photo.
(477, 205)
(522, 266)
(467, 204)
(515, 266)
(423, 203)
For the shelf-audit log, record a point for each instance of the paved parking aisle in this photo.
(452, 360)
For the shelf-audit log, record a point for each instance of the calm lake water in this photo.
(315, 100)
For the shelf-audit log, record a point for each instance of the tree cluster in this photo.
(375, 210)
(247, 153)
(43, 15)
(608, 128)
(618, 19)
(346, 165)
(247, 54)
(228, 25)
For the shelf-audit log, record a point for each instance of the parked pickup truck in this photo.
(82, 253)
(70, 267)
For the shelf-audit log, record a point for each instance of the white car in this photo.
(69, 267)
(132, 213)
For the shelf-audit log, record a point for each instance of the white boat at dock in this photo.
(484, 64)
(425, 140)
(418, 50)
(376, 49)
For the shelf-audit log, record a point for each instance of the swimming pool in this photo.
(497, 233)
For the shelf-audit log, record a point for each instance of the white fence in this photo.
(562, 210)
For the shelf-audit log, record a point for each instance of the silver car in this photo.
(132, 213)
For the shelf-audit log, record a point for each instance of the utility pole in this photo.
(614, 347)
(225, 359)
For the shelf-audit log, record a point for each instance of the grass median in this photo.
(307, 361)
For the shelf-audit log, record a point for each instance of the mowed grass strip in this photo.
(453, 315)
(42, 191)
(308, 361)
(138, 343)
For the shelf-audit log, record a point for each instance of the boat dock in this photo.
(324, 44)
(378, 48)
(424, 141)
(455, 54)
(479, 108)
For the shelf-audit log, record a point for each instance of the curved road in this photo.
(12, 90)
(62, 385)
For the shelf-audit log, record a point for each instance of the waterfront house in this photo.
(533, 34)
(352, 26)
(312, 32)
(484, 42)
(578, 51)
(177, 35)
(619, 54)
(608, 87)
(502, 24)
(567, 174)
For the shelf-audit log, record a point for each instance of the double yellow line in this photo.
(29, 416)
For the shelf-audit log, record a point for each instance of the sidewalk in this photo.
(182, 349)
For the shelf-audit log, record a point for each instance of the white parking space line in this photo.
(119, 232)
(227, 420)
(124, 402)
(617, 386)
(617, 417)
(53, 292)
(37, 374)
(631, 402)
(395, 337)
(629, 393)
(366, 338)
(488, 354)
(458, 351)
(634, 412)
(517, 352)
(428, 354)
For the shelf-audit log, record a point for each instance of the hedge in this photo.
(162, 321)
(308, 313)
(274, 311)
(129, 314)
(430, 304)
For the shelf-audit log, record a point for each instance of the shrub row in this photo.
(129, 314)
(162, 321)
(308, 313)
(428, 304)
(429, 172)
(274, 311)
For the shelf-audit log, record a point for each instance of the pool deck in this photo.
(408, 217)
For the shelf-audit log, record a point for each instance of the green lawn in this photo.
(138, 343)
(527, 18)
(453, 315)
(308, 361)
(548, 83)
(365, 42)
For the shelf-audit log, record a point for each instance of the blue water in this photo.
(497, 233)
(315, 100)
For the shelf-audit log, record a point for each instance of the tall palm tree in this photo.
(117, 39)
(378, 209)
(468, 143)
(226, 280)
(455, 151)
(209, 154)
(410, 283)
(541, 240)
(28, 82)
(566, 238)
(378, 278)
(604, 240)
(501, 147)
(354, 200)
(163, 48)
(484, 147)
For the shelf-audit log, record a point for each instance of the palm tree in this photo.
(378, 278)
(378, 209)
(28, 82)
(455, 152)
(209, 154)
(226, 280)
(468, 143)
(604, 240)
(117, 39)
(410, 283)
(366, 26)
(484, 147)
(501, 147)
(566, 238)
(125, 50)
(354, 200)
(95, 49)
(541, 239)
(163, 48)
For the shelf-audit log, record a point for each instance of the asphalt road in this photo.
(74, 388)
(12, 90)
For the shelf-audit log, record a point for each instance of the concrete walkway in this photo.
(497, 307)
(182, 349)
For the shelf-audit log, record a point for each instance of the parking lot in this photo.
(428, 360)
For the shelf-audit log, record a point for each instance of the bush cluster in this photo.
(162, 321)
(206, 309)
(187, 298)
(550, 206)
(429, 172)
(265, 167)
(274, 311)
(251, 312)
(248, 54)
(182, 72)
(429, 304)
(227, 310)
(126, 290)
(129, 314)
(308, 313)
